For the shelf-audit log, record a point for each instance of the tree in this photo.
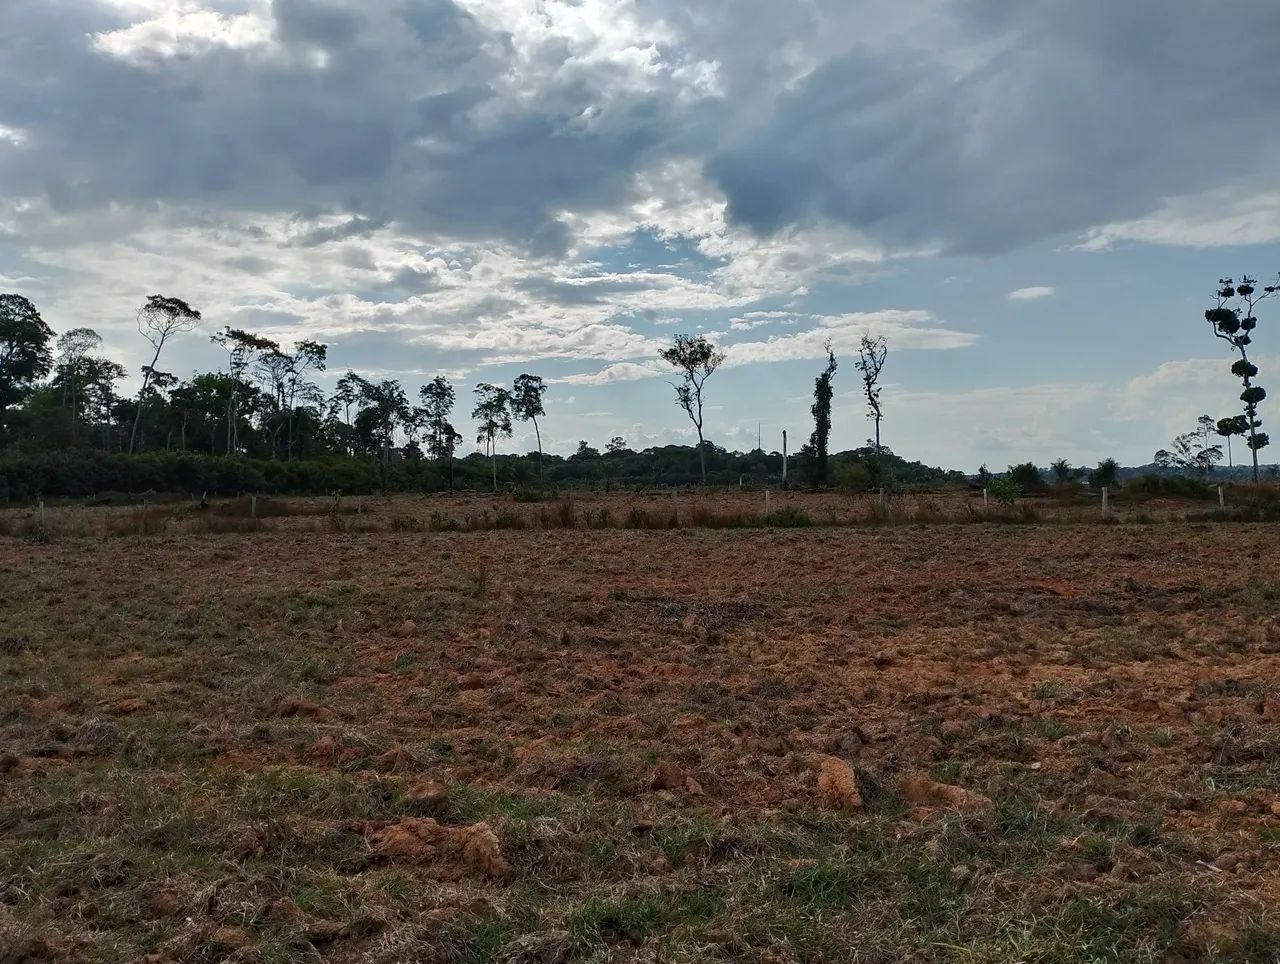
(1062, 470)
(526, 405)
(25, 357)
(822, 417)
(243, 349)
(493, 412)
(1105, 475)
(1227, 427)
(1026, 476)
(74, 348)
(1233, 319)
(1191, 451)
(159, 319)
(697, 359)
(437, 403)
(872, 353)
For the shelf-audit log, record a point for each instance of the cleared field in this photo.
(927, 743)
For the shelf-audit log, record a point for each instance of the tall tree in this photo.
(351, 388)
(73, 368)
(243, 349)
(25, 356)
(1231, 426)
(872, 352)
(1062, 470)
(1233, 319)
(696, 359)
(159, 320)
(1191, 451)
(493, 412)
(818, 441)
(438, 398)
(526, 405)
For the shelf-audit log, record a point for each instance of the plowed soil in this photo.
(928, 743)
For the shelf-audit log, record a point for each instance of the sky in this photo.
(1030, 200)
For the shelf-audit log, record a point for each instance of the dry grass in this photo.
(208, 742)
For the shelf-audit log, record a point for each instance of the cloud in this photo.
(902, 329)
(1228, 216)
(1012, 122)
(1034, 293)
(619, 372)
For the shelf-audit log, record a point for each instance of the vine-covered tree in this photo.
(1233, 319)
(820, 439)
(493, 412)
(159, 319)
(526, 405)
(697, 359)
(872, 352)
(25, 356)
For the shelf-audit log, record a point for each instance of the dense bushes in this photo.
(78, 474)
(1151, 486)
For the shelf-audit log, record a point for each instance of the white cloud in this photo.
(1034, 293)
(1215, 219)
(186, 29)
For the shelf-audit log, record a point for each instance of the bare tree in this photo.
(159, 320)
(872, 352)
(697, 359)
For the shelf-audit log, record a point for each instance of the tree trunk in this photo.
(702, 456)
(146, 380)
(877, 435)
(542, 484)
(493, 460)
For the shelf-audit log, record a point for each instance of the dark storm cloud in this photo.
(978, 125)
(1043, 117)
(387, 111)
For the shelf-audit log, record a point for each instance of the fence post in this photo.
(42, 512)
(882, 496)
(253, 507)
(766, 501)
(1106, 502)
(986, 503)
(1222, 498)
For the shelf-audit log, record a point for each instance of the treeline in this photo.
(262, 423)
(78, 474)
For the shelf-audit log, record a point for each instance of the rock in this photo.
(837, 785)
(480, 851)
(923, 792)
(1232, 808)
(408, 628)
(427, 795)
(1227, 861)
(164, 903)
(423, 840)
(296, 707)
(667, 776)
(324, 749)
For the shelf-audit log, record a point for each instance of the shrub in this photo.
(788, 518)
(1168, 486)
(1004, 490)
(1027, 477)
